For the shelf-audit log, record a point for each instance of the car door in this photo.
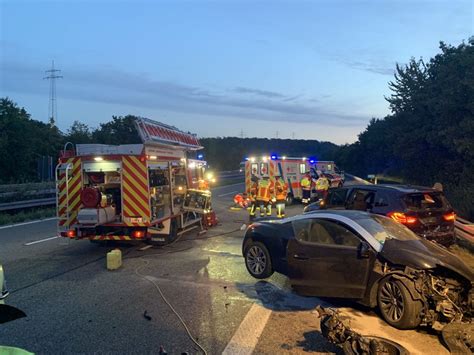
(336, 199)
(328, 259)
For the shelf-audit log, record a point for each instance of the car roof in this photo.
(352, 214)
(397, 188)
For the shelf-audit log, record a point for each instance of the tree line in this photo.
(427, 138)
(429, 135)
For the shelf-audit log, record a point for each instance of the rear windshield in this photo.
(425, 201)
(383, 228)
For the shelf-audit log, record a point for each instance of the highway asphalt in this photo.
(74, 305)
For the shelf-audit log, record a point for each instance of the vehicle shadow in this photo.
(279, 299)
(314, 341)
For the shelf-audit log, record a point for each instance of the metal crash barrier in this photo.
(464, 233)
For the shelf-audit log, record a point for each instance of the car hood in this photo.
(423, 254)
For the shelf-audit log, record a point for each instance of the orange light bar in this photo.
(450, 217)
(138, 234)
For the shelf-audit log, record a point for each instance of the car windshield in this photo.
(383, 228)
(425, 201)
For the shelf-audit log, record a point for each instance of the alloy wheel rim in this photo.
(391, 301)
(256, 260)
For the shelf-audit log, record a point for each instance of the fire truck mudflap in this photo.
(132, 191)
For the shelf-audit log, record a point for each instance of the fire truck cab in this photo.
(291, 170)
(149, 191)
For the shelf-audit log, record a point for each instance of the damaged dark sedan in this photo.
(368, 258)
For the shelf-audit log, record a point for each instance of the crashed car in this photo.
(424, 210)
(365, 257)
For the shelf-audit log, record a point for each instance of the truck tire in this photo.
(289, 199)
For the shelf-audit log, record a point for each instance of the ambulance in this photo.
(291, 170)
(149, 191)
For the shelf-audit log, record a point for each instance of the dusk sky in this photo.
(315, 69)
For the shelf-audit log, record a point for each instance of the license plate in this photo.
(430, 220)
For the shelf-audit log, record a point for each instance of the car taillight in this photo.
(401, 217)
(449, 217)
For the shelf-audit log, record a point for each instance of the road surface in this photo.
(74, 305)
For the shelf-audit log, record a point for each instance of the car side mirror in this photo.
(364, 250)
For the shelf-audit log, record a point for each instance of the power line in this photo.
(52, 75)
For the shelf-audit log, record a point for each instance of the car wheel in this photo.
(258, 261)
(397, 306)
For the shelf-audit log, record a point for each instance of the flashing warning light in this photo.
(210, 176)
(252, 159)
(449, 217)
(71, 233)
(312, 161)
(153, 157)
(402, 218)
(138, 234)
(304, 158)
(273, 157)
(200, 156)
(283, 157)
(98, 158)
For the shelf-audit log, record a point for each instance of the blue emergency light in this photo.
(200, 156)
(274, 157)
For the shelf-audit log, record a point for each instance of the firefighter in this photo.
(253, 197)
(306, 188)
(281, 190)
(264, 195)
(322, 185)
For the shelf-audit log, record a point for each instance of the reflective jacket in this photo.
(265, 190)
(306, 183)
(253, 191)
(281, 189)
(322, 183)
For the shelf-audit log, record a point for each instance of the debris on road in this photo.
(146, 316)
(351, 342)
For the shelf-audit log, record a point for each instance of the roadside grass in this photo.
(25, 216)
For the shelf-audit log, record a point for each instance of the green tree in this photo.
(121, 130)
(79, 133)
(22, 141)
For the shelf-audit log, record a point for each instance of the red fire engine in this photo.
(147, 191)
(291, 170)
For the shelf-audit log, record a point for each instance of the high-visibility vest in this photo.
(281, 190)
(265, 190)
(305, 183)
(322, 184)
(253, 191)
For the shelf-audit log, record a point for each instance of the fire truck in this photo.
(291, 170)
(149, 191)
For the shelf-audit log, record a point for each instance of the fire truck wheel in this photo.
(173, 230)
(289, 199)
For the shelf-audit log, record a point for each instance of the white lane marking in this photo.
(246, 337)
(26, 223)
(228, 193)
(41, 240)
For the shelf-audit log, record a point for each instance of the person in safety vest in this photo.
(281, 190)
(322, 185)
(264, 195)
(253, 197)
(306, 188)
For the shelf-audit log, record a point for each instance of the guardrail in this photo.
(18, 205)
(464, 233)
